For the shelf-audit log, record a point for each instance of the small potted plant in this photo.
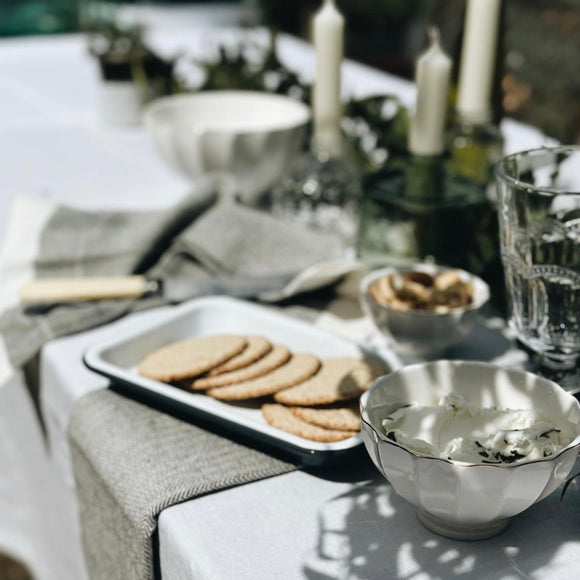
(131, 73)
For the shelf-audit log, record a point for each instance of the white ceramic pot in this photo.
(121, 102)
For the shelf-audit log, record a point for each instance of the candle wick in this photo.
(434, 35)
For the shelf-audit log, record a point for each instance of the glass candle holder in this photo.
(539, 217)
(418, 212)
(475, 148)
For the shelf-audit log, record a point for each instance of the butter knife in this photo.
(66, 290)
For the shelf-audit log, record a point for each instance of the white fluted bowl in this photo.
(250, 136)
(466, 500)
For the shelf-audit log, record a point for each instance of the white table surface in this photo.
(299, 525)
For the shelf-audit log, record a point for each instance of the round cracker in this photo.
(188, 358)
(339, 379)
(256, 348)
(282, 417)
(278, 356)
(299, 368)
(346, 418)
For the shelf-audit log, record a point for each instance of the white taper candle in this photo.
(328, 31)
(432, 73)
(478, 59)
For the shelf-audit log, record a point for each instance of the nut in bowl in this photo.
(508, 459)
(423, 309)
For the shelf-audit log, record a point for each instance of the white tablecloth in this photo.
(300, 525)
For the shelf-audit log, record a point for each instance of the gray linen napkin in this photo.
(202, 237)
(131, 462)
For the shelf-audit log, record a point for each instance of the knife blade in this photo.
(179, 289)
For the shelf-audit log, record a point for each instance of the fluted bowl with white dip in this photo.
(470, 444)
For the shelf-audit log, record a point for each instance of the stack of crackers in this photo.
(316, 399)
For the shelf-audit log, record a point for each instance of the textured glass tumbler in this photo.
(321, 192)
(539, 215)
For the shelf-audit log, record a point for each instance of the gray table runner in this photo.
(131, 462)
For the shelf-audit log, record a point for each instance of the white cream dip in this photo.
(455, 430)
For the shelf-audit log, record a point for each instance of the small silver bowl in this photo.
(422, 333)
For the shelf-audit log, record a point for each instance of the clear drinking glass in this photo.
(321, 191)
(539, 216)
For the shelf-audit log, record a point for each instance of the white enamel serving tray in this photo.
(117, 359)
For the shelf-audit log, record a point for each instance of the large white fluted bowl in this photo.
(466, 500)
(250, 136)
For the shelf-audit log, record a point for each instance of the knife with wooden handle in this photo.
(66, 290)
(82, 289)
